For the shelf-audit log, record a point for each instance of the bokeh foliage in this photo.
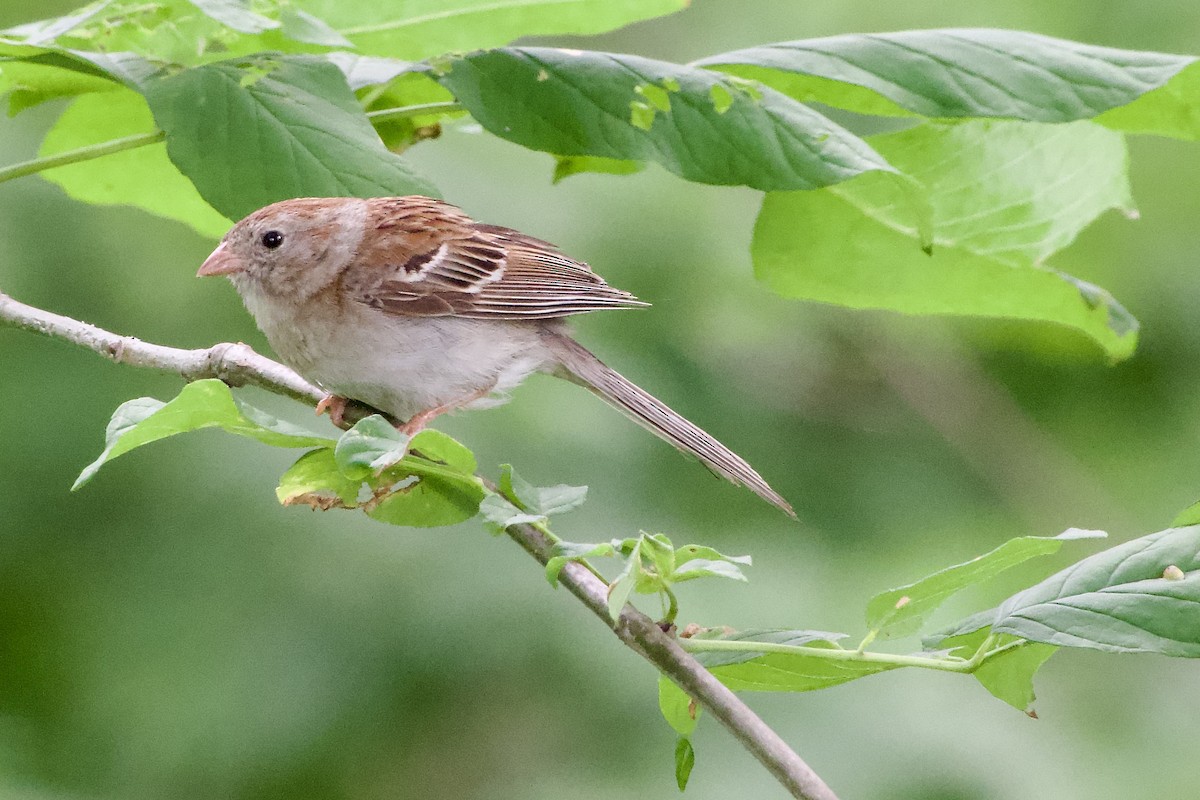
(874, 473)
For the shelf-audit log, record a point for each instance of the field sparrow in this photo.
(408, 305)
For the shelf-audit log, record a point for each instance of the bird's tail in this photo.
(577, 364)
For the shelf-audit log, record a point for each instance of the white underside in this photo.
(403, 365)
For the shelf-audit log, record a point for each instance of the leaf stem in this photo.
(406, 112)
(942, 663)
(81, 154)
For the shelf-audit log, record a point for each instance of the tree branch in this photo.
(238, 365)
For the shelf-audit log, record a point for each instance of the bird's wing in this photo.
(426, 258)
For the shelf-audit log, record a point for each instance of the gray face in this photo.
(294, 248)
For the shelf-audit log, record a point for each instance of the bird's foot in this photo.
(335, 406)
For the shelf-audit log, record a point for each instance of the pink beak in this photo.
(221, 262)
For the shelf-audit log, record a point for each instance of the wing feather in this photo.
(430, 259)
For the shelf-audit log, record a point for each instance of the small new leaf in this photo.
(544, 501)
(203, 404)
(685, 759)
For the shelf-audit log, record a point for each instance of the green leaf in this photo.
(785, 636)
(316, 477)
(1006, 196)
(574, 103)
(1189, 516)
(47, 76)
(421, 28)
(956, 73)
(301, 26)
(677, 708)
(429, 502)
(572, 551)
(203, 404)
(703, 568)
(976, 622)
(1138, 597)
(784, 672)
(544, 502)
(901, 611)
(251, 132)
(499, 514)
(685, 759)
(566, 166)
(660, 553)
(144, 177)
(698, 561)
(235, 14)
(433, 445)
(1167, 111)
(1009, 675)
(623, 585)
(370, 447)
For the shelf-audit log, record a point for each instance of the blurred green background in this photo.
(171, 632)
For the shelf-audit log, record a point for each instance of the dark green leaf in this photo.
(1006, 196)
(685, 759)
(956, 73)
(203, 404)
(250, 132)
(1138, 597)
(144, 177)
(901, 611)
(574, 103)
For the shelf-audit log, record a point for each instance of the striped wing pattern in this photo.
(431, 259)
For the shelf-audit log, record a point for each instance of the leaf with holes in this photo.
(695, 123)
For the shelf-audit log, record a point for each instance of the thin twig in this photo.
(238, 365)
(80, 154)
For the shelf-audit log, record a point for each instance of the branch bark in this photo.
(239, 365)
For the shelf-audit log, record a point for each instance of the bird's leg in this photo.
(335, 405)
(419, 420)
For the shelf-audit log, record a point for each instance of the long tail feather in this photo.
(580, 366)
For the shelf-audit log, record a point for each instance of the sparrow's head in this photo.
(290, 249)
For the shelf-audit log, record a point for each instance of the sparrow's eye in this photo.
(272, 239)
